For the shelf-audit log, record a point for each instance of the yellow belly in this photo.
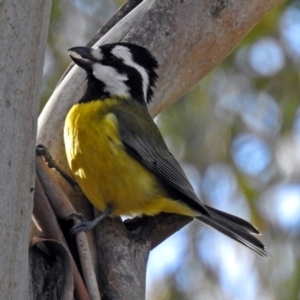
(105, 172)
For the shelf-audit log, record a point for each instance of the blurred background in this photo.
(237, 135)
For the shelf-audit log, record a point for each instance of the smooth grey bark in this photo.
(23, 31)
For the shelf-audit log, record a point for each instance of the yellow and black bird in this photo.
(116, 152)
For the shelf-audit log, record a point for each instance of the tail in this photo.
(234, 227)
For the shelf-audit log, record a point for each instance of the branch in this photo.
(189, 38)
(117, 17)
(46, 219)
(123, 256)
(61, 208)
(158, 228)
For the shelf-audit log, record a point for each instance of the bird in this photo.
(117, 154)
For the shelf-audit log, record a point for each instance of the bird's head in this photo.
(119, 69)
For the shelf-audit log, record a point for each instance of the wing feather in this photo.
(143, 141)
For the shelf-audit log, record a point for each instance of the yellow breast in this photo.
(103, 169)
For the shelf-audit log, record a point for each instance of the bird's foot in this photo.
(84, 225)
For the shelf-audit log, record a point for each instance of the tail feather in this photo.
(235, 228)
(233, 219)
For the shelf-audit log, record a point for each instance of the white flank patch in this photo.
(97, 53)
(113, 81)
(125, 54)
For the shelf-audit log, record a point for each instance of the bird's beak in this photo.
(82, 56)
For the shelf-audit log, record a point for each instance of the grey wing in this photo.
(145, 144)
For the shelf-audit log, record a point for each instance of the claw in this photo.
(84, 225)
(78, 216)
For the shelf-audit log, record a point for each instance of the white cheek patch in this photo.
(124, 53)
(114, 82)
(97, 53)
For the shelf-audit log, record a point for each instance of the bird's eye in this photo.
(111, 59)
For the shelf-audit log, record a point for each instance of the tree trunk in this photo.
(23, 32)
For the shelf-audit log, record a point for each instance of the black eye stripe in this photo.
(111, 58)
(132, 61)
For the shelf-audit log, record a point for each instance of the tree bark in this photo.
(23, 32)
